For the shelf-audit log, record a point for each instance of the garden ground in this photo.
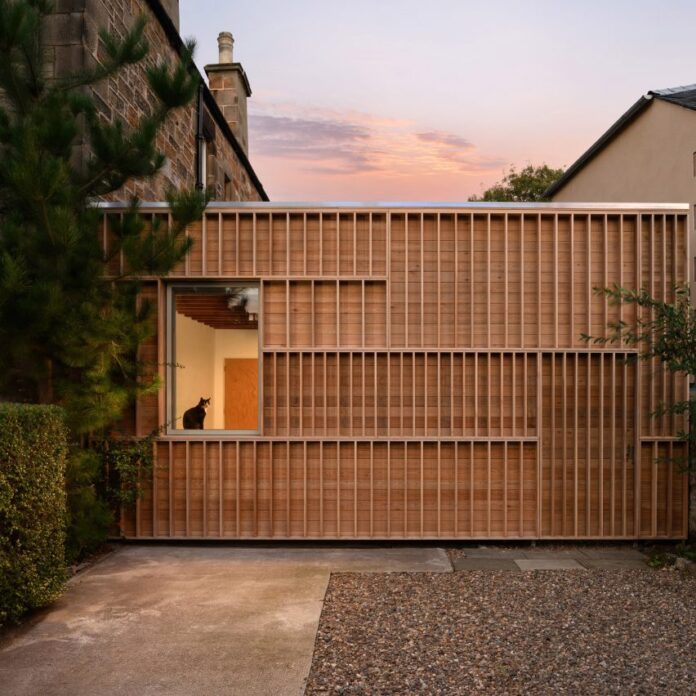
(251, 620)
(189, 620)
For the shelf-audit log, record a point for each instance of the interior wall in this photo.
(229, 343)
(195, 353)
(201, 352)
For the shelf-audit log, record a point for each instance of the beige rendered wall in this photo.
(650, 161)
(201, 352)
(195, 353)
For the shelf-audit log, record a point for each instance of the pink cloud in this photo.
(320, 144)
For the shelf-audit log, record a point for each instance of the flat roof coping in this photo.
(401, 205)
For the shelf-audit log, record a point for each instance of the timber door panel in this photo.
(241, 393)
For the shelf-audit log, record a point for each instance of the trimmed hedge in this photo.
(33, 449)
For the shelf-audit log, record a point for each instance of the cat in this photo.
(194, 417)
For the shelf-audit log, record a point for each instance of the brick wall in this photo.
(72, 37)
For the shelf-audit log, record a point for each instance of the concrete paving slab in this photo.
(614, 564)
(548, 564)
(574, 552)
(614, 552)
(493, 552)
(345, 559)
(463, 564)
(181, 620)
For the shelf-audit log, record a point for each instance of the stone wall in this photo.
(228, 85)
(73, 40)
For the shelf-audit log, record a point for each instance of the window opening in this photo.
(214, 358)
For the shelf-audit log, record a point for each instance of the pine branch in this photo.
(58, 307)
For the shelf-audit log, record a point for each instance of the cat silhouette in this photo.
(194, 417)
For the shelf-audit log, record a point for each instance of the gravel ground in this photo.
(552, 632)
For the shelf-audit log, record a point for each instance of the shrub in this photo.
(89, 514)
(33, 448)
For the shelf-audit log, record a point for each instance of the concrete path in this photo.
(190, 620)
(549, 558)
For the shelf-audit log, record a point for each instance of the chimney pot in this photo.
(225, 46)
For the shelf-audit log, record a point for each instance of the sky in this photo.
(397, 100)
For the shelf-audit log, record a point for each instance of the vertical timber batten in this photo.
(442, 389)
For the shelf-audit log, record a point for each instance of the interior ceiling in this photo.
(213, 311)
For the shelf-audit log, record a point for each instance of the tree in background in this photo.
(70, 334)
(527, 185)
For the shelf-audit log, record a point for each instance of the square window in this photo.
(213, 358)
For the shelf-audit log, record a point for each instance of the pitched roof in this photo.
(681, 96)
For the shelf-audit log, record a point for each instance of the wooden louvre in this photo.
(423, 375)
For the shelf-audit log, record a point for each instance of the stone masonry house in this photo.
(206, 143)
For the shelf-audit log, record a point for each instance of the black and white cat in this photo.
(194, 417)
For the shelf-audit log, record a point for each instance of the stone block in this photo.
(68, 60)
(463, 564)
(224, 97)
(618, 552)
(493, 552)
(574, 552)
(548, 564)
(214, 81)
(63, 29)
(48, 66)
(62, 6)
(614, 564)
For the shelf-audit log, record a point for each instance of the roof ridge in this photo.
(673, 90)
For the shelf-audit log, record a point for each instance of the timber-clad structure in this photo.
(422, 375)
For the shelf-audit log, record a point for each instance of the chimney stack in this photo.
(225, 47)
(230, 87)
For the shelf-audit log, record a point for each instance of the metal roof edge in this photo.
(626, 119)
(405, 205)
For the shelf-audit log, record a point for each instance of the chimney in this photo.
(230, 87)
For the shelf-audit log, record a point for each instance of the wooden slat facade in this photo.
(423, 377)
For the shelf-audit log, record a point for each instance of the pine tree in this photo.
(69, 333)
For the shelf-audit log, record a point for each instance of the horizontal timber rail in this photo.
(423, 375)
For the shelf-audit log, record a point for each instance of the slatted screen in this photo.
(423, 376)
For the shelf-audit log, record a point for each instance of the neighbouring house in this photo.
(648, 155)
(206, 143)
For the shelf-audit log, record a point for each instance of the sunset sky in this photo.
(400, 100)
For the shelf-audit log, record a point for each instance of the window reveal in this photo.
(214, 367)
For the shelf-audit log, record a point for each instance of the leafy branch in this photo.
(663, 331)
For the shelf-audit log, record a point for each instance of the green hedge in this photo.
(33, 448)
